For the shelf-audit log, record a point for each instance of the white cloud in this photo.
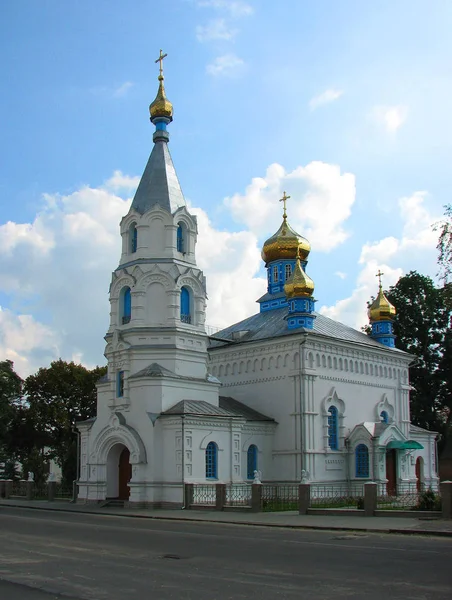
(119, 182)
(341, 274)
(325, 97)
(321, 201)
(123, 89)
(414, 249)
(235, 8)
(391, 117)
(216, 29)
(226, 65)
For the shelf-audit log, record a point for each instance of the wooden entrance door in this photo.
(125, 475)
(419, 474)
(391, 472)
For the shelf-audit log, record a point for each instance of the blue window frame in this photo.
(120, 384)
(275, 274)
(212, 461)
(126, 305)
(384, 417)
(185, 313)
(180, 238)
(333, 438)
(361, 461)
(133, 238)
(288, 271)
(251, 461)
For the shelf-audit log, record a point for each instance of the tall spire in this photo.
(159, 184)
(381, 316)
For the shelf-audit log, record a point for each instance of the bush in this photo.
(428, 500)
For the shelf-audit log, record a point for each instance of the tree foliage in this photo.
(422, 327)
(444, 245)
(10, 395)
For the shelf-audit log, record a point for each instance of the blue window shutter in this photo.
(333, 438)
(361, 461)
(251, 463)
(212, 461)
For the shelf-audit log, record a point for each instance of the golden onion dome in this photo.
(161, 106)
(299, 284)
(285, 244)
(381, 309)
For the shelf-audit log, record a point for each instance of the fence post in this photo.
(189, 491)
(370, 499)
(51, 490)
(304, 498)
(446, 499)
(29, 490)
(256, 497)
(8, 488)
(220, 496)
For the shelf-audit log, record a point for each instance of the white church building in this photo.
(283, 392)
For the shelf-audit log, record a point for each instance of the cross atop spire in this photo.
(284, 200)
(379, 274)
(160, 60)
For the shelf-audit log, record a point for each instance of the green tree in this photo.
(422, 329)
(58, 397)
(444, 245)
(10, 396)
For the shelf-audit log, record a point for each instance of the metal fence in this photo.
(204, 494)
(19, 489)
(63, 491)
(338, 495)
(409, 496)
(279, 497)
(238, 494)
(40, 491)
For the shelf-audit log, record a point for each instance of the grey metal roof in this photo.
(272, 323)
(156, 370)
(228, 407)
(416, 429)
(159, 183)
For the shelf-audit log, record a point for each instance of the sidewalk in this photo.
(400, 525)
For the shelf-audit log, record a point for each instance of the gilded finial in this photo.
(161, 107)
(381, 309)
(284, 200)
(379, 274)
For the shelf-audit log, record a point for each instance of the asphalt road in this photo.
(47, 555)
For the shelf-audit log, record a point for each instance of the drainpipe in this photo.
(182, 418)
(302, 440)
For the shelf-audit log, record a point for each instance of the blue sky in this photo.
(350, 99)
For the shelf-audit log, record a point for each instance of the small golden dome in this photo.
(285, 244)
(299, 284)
(381, 309)
(161, 107)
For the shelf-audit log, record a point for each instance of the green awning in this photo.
(412, 445)
(408, 445)
(395, 445)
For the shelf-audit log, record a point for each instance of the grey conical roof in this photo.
(159, 183)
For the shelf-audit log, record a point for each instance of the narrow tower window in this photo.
(181, 238)
(133, 238)
(126, 305)
(251, 461)
(275, 274)
(212, 461)
(120, 384)
(333, 441)
(288, 270)
(361, 461)
(185, 308)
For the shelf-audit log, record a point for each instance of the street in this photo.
(46, 555)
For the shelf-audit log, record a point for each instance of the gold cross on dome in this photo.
(379, 274)
(160, 60)
(284, 200)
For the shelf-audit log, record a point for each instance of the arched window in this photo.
(333, 438)
(126, 305)
(212, 461)
(133, 238)
(185, 309)
(384, 417)
(251, 461)
(361, 461)
(120, 384)
(181, 238)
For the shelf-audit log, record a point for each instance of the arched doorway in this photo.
(391, 472)
(419, 473)
(119, 472)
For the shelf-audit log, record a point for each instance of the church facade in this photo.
(287, 393)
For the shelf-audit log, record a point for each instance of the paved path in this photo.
(390, 524)
(99, 557)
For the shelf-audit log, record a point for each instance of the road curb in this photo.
(185, 519)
